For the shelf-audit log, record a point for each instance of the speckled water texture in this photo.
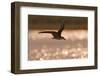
(43, 47)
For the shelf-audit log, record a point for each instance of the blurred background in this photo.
(43, 47)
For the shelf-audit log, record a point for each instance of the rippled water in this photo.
(43, 47)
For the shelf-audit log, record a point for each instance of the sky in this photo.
(54, 22)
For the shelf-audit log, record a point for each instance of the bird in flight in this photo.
(56, 35)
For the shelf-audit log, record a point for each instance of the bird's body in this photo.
(56, 35)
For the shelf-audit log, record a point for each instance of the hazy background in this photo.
(43, 47)
(53, 22)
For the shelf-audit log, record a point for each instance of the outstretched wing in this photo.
(53, 33)
(47, 32)
(61, 29)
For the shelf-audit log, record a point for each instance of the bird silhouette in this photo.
(56, 35)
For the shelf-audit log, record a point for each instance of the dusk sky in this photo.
(53, 22)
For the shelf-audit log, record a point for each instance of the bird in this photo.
(56, 35)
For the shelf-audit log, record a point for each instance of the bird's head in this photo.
(63, 38)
